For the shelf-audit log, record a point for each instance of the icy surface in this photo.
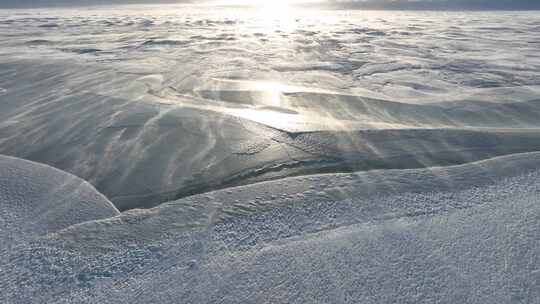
(151, 104)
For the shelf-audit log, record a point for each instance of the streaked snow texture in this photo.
(150, 104)
(468, 233)
(426, 123)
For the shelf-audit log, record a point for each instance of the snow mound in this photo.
(36, 199)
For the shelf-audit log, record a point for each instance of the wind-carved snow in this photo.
(37, 199)
(153, 107)
(380, 236)
(220, 122)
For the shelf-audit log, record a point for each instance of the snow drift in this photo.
(467, 233)
(36, 199)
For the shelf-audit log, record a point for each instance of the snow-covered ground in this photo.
(468, 233)
(301, 157)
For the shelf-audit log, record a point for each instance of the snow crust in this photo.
(466, 233)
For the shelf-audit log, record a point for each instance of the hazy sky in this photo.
(379, 4)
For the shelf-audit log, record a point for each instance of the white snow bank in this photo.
(467, 233)
(36, 199)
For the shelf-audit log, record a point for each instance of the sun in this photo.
(274, 7)
(275, 15)
(271, 7)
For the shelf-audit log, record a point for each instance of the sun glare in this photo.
(274, 8)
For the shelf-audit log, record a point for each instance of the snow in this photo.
(151, 107)
(464, 233)
(187, 154)
(140, 152)
(36, 199)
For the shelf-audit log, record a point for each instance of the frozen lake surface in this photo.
(269, 155)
